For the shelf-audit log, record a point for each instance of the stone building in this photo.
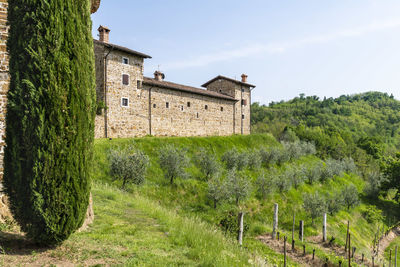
(140, 106)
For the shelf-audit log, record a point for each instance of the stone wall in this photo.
(4, 84)
(187, 115)
(242, 108)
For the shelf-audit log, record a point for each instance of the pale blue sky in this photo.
(287, 47)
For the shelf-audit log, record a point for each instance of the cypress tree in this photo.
(50, 116)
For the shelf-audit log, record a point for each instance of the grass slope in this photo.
(188, 196)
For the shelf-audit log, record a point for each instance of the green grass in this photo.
(188, 196)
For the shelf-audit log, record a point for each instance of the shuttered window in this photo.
(244, 102)
(125, 79)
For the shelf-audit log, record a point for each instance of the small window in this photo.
(182, 108)
(154, 105)
(125, 79)
(244, 102)
(222, 108)
(188, 104)
(206, 107)
(242, 116)
(125, 60)
(197, 115)
(167, 104)
(125, 102)
(139, 84)
(242, 90)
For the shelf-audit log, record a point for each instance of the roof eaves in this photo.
(220, 77)
(123, 49)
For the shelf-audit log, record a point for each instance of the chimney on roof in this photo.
(244, 78)
(159, 76)
(104, 34)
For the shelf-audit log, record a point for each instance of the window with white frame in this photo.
(125, 60)
(125, 102)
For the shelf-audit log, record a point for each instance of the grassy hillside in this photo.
(158, 224)
(188, 197)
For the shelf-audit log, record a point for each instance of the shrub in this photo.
(314, 205)
(216, 190)
(375, 180)
(50, 117)
(254, 160)
(230, 224)
(372, 214)
(237, 186)
(281, 182)
(313, 174)
(349, 166)
(264, 185)
(234, 159)
(334, 203)
(207, 163)
(350, 196)
(295, 175)
(332, 168)
(173, 162)
(128, 165)
(269, 156)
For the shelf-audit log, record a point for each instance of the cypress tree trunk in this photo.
(50, 116)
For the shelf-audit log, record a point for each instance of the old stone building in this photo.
(140, 106)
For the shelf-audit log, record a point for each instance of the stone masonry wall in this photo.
(4, 84)
(187, 114)
(240, 92)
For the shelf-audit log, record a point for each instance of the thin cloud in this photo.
(280, 47)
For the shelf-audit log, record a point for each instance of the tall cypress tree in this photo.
(50, 116)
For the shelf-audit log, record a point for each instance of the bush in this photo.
(314, 205)
(295, 175)
(313, 174)
(230, 224)
(207, 163)
(375, 180)
(334, 203)
(254, 160)
(129, 166)
(237, 186)
(173, 162)
(349, 166)
(350, 196)
(332, 168)
(234, 159)
(269, 156)
(216, 191)
(372, 214)
(281, 182)
(264, 185)
(50, 117)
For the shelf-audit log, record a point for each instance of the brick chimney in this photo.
(104, 34)
(244, 78)
(159, 76)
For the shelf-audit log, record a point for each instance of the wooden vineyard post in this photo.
(340, 263)
(284, 251)
(240, 234)
(301, 231)
(313, 254)
(324, 229)
(275, 225)
(390, 258)
(349, 250)
(293, 226)
(347, 236)
(395, 257)
(304, 250)
(373, 263)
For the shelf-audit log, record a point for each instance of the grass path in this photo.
(129, 231)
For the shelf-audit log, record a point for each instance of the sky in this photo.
(286, 47)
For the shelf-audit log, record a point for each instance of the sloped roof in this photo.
(185, 88)
(123, 49)
(220, 77)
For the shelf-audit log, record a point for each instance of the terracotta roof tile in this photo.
(185, 88)
(228, 79)
(123, 49)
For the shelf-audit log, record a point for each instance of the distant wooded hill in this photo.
(364, 126)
